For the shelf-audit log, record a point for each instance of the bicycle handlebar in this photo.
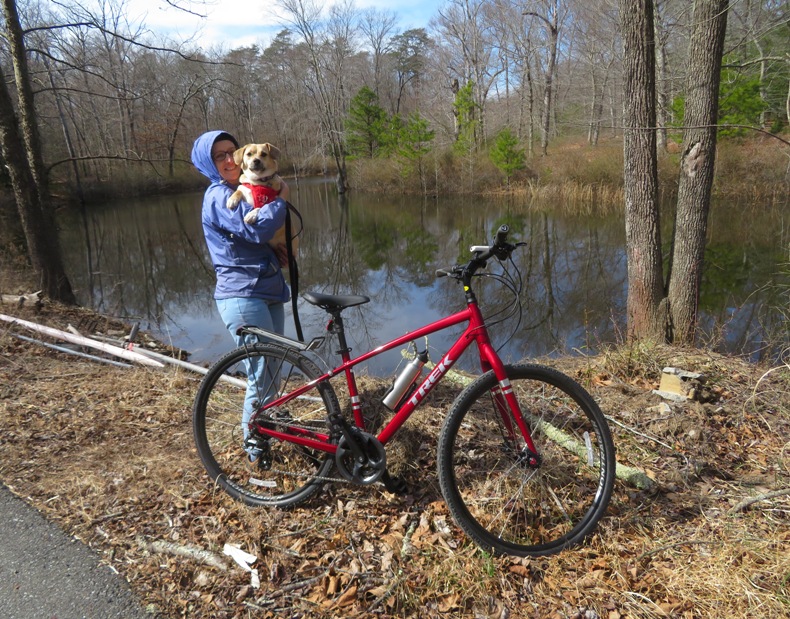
(499, 248)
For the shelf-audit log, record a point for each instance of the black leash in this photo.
(293, 267)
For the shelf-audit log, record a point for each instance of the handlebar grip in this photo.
(501, 234)
(442, 273)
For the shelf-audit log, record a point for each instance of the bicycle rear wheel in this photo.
(292, 473)
(501, 502)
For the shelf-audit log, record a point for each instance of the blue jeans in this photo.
(235, 313)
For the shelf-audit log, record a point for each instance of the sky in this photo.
(238, 23)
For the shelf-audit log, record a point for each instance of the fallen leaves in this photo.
(108, 454)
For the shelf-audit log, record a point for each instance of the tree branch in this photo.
(137, 159)
(743, 65)
(760, 497)
(154, 48)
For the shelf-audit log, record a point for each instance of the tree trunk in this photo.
(697, 164)
(593, 102)
(662, 99)
(27, 176)
(27, 122)
(548, 91)
(643, 236)
(552, 28)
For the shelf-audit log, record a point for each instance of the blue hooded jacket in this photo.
(245, 264)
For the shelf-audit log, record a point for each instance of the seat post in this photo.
(339, 330)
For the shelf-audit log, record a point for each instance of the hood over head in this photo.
(201, 153)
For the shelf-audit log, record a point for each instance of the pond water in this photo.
(145, 260)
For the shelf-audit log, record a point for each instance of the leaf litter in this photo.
(107, 454)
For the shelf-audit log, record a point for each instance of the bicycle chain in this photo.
(302, 475)
(284, 423)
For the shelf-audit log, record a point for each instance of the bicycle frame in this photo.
(508, 498)
(489, 360)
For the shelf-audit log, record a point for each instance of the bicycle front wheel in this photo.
(287, 474)
(495, 496)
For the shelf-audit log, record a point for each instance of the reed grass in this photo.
(583, 178)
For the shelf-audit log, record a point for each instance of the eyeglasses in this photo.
(220, 156)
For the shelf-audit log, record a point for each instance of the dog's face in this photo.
(257, 161)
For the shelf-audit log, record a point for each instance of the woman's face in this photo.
(222, 154)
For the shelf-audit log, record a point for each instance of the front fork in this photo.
(508, 406)
(509, 411)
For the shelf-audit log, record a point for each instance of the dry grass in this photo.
(585, 179)
(107, 453)
(572, 197)
(753, 170)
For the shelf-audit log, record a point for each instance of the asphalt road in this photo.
(45, 574)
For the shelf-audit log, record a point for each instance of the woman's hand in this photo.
(281, 251)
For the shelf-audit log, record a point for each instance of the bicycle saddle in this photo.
(334, 302)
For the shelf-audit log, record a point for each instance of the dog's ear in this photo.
(238, 154)
(273, 151)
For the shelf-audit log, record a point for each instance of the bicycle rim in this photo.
(293, 473)
(494, 496)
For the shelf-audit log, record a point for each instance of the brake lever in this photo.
(502, 252)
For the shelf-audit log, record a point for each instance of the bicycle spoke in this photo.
(285, 473)
(496, 495)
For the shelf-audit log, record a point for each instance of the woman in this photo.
(251, 288)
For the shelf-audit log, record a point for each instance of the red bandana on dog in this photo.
(261, 194)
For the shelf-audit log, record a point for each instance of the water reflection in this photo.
(150, 263)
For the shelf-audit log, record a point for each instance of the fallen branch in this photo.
(32, 298)
(406, 546)
(83, 341)
(189, 552)
(631, 475)
(168, 359)
(756, 499)
(76, 353)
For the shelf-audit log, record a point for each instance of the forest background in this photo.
(480, 100)
(418, 110)
(118, 108)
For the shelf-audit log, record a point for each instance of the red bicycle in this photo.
(525, 458)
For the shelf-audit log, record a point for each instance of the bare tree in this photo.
(662, 110)
(21, 152)
(467, 29)
(656, 311)
(596, 34)
(552, 18)
(521, 54)
(328, 47)
(697, 164)
(378, 28)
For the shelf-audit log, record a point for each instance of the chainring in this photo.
(368, 471)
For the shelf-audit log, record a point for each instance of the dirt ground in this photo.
(107, 454)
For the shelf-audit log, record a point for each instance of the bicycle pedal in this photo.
(395, 485)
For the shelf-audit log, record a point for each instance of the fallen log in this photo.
(186, 551)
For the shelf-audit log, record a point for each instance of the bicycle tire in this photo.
(505, 506)
(296, 473)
